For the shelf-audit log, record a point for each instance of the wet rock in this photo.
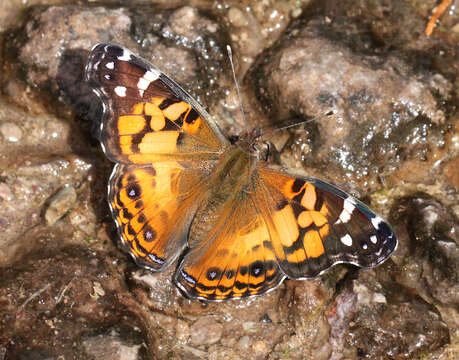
(451, 172)
(372, 321)
(378, 107)
(392, 129)
(10, 132)
(32, 184)
(39, 295)
(244, 342)
(418, 331)
(5, 192)
(206, 331)
(25, 132)
(429, 249)
(259, 348)
(60, 204)
(307, 317)
(110, 348)
(182, 331)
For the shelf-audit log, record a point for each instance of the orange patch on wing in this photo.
(159, 142)
(130, 124)
(157, 121)
(285, 221)
(324, 231)
(174, 111)
(310, 197)
(305, 219)
(137, 109)
(125, 144)
(287, 190)
(324, 210)
(313, 244)
(318, 218)
(297, 256)
(194, 126)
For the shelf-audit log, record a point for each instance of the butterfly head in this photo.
(253, 143)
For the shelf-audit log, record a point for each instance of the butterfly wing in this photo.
(147, 117)
(314, 225)
(153, 207)
(281, 226)
(165, 146)
(234, 258)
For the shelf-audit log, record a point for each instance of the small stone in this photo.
(249, 326)
(5, 192)
(237, 17)
(60, 204)
(244, 342)
(182, 331)
(110, 347)
(259, 347)
(206, 331)
(11, 131)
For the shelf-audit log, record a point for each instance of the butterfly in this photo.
(181, 190)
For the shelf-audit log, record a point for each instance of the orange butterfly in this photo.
(181, 189)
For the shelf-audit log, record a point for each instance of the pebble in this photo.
(206, 331)
(182, 331)
(237, 17)
(259, 347)
(110, 348)
(11, 131)
(244, 342)
(5, 192)
(60, 204)
(249, 326)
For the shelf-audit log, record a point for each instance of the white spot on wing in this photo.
(376, 221)
(373, 239)
(120, 91)
(110, 65)
(349, 204)
(347, 240)
(143, 84)
(152, 75)
(127, 55)
(348, 208)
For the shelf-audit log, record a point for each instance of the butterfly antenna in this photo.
(300, 123)
(230, 55)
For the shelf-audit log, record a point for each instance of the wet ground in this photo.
(67, 291)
